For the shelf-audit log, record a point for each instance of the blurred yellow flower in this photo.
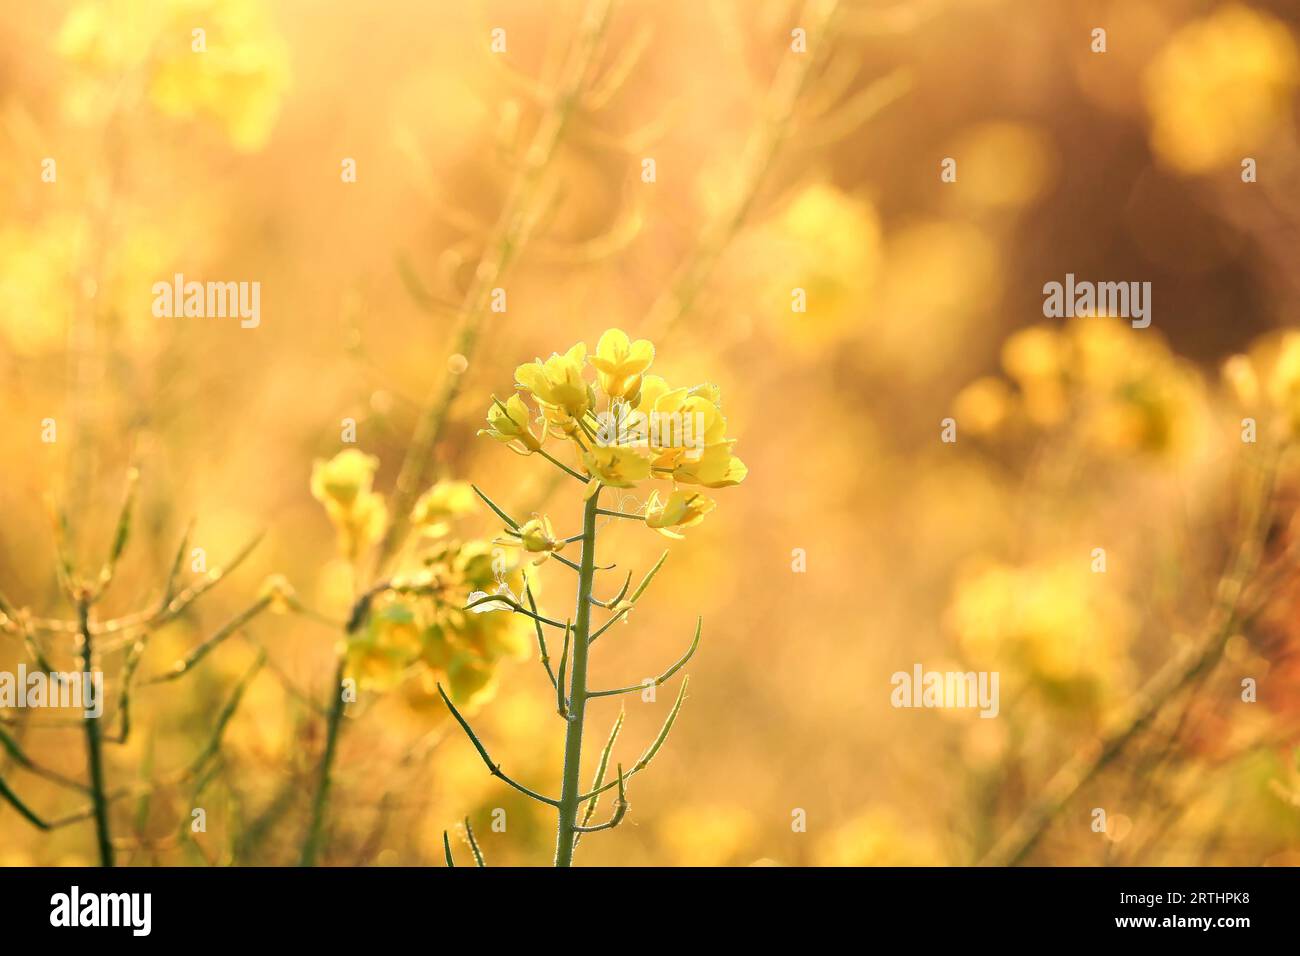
(1003, 164)
(343, 479)
(1221, 88)
(829, 245)
(343, 486)
(442, 503)
(708, 834)
(1122, 389)
(419, 633)
(1033, 354)
(36, 298)
(983, 405)
(216, 59)
(877, 837)
(1052, 621)
(390, 643)
(1266, 381)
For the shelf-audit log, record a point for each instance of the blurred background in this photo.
(775, 168)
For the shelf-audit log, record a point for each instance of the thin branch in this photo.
(626, 609)
(121, 534)
(495, 769)
(562, 466)
(16, 752)
(613, 602)
(195, 656)
(690, 652)
(650, 576)
(644, 760)
(514, 605)
(541, 640)
(561, 704)
(594, 802)
(493, 505)
(23, 810)
(623, 612)
(473, 844)
(1225, 620)
(620, 809)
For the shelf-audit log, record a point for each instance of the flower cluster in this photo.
(1266, 381)
(235, 73)
(1222, 86)
(421, 628)
(420, 631)
(1048, 623)
(1122, 392)
(343, 486)
(624, 428)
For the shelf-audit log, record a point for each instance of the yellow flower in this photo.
(682, 423)
(1033, 354)
(237, 78)
(343, 486)
(877, 837)
(983, 405)
(620, 362)
(618, 466)
(441, 503)
(1049, 621)
(682, 509)
(709, 835)
(1239, 374)
(508, 423)
(1268, 378)
(1221, 87)
(470, 679)
(828, 244)
(344, 478)
(715, 467)
(1284, 383)
(558, 382)
(653, 387)
(391, 641)
(536, 536)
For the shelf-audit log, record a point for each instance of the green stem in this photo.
(94, 745)
(311, 845)
(572, 787)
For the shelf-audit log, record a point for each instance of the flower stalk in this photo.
(94, 745)
(577, 706)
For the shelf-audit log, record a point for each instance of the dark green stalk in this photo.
(572, 787)
(94, 745)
